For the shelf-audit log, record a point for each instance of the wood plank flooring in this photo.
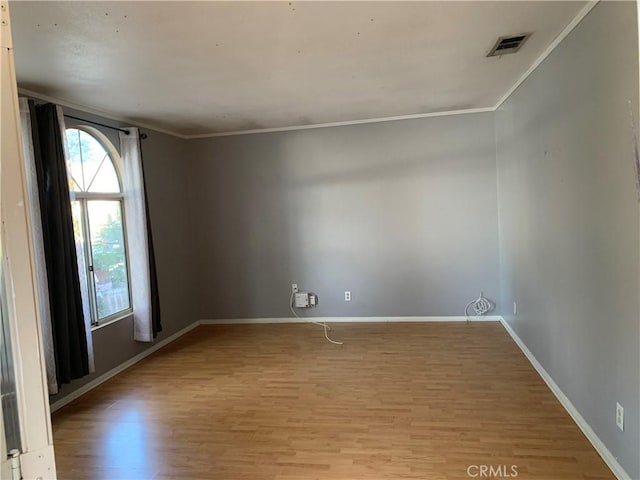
(422, 401)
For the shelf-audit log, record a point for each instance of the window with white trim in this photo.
(97, 205)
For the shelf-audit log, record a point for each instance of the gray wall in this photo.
(403, 214)
(569, 221)
(166, 179)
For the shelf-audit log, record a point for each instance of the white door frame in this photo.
(37, 458)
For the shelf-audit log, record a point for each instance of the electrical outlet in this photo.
(620, 416)
(347, 296)
(515, 308)
(294, 288)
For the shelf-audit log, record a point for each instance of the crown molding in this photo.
(95, 111)
(344, 123)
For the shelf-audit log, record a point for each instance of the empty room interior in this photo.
(320, 240)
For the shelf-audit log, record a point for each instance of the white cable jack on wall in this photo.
(311, 301)
(481, 306)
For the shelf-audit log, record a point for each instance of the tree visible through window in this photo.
(98, 211)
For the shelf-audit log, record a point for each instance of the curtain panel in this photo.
(39, 263)
(144, 281)
(70, 330)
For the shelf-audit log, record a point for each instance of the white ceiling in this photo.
(208, 67)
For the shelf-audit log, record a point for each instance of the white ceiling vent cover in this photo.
(508, 44)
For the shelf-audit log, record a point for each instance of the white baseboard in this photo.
(231, 321)
(123, 366)
(600, 447)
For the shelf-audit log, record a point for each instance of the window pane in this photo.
(81, 254)
(109, 258)
(74, 160)
(76, 214)
(106, 179)
(89, 166)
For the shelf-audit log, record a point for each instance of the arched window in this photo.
(93, 169)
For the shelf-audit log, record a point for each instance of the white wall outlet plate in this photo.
(620, 416)
(294, 288)
(515, 308)
(347, 296)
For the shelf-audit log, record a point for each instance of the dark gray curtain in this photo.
(156, 324)
(68, 328)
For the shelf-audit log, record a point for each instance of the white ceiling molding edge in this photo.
(565, 32)
(93, 111)
(344, 123)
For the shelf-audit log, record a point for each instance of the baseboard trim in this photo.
(239, 321)
(600, 447)
(123, 366)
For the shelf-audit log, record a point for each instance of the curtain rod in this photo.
(142, 135)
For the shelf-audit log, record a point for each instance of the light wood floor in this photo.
(396, 401)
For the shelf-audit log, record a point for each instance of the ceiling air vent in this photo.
(508, 44)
